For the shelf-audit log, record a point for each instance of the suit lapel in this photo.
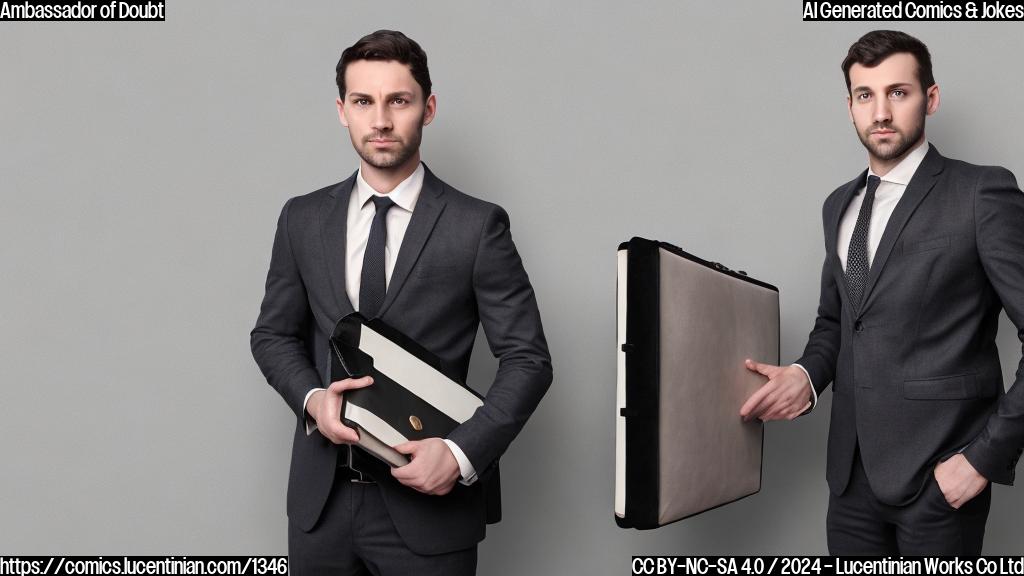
(428, 208)
(920, 185)
(833, 227)
(333, 227)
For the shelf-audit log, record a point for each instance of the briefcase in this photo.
(413, 395)
(685, 326)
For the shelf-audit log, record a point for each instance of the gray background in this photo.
(144, 165)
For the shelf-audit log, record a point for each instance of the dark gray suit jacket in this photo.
(457, 268)
(916, 371)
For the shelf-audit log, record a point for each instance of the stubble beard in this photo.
(901, 146)
(386, 160)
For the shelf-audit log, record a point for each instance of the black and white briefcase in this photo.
(685, 326)
(412, 396)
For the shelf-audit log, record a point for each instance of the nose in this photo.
(381, 118)
(883, 112)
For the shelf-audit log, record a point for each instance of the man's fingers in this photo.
(338, 433)
(762, 369)
(407, 448)
(782, 405)
(958, 480)
(404, 473)
(752, 407)
(752, 366)
(429, 472)
(344, 436)
(783, 408)
(767, 415)
(778, 412)
(772, 411)
(792, 414)
(350, 383)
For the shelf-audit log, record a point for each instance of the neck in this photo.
(384, 180)
(882, 167)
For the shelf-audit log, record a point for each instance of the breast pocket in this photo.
(434, 271)
(925, 245)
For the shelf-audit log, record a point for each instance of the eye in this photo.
(361, 102)
(863, 96)
(898, 93)
(400, 101)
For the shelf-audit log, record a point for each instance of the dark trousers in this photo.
(858, 524)
(355, 537)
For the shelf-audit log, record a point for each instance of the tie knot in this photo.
(383, 204)
(873, 182)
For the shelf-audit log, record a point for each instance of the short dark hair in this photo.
(878, 45)
(386, 45)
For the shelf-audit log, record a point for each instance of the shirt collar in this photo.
(904, 171)
(404, 195)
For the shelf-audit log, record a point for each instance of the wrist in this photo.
(313, 405)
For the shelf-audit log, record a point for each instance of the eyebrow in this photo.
(859, 89)
(404, 94)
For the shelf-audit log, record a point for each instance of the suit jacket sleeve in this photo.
(999, 226)
(511, 322)
(822, 350)
(280, 337)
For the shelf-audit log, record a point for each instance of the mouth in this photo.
(883, 132)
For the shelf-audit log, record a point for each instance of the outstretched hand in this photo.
(786, 394)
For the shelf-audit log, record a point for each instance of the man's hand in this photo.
(433, 469)
(325, 407)
(959, 481)
(785, 395)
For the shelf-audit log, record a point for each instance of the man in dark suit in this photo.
(394, 242)
(922, 254)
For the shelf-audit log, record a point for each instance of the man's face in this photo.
(385, 112)
(888, 106)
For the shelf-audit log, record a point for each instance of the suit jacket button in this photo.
(858, 326)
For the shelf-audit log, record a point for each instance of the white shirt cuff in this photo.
(465, 466)
(310, 422)
(814, 393)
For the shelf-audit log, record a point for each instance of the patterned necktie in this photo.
(373, 281)
(857, 266)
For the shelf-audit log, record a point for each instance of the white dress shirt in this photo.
(360, 217)
(890, 190)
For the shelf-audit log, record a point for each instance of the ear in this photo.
(849, 108)
(933, 99)
(429, 110)
(341, 111)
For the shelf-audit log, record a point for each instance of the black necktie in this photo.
(373, 281)
(857, 266)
